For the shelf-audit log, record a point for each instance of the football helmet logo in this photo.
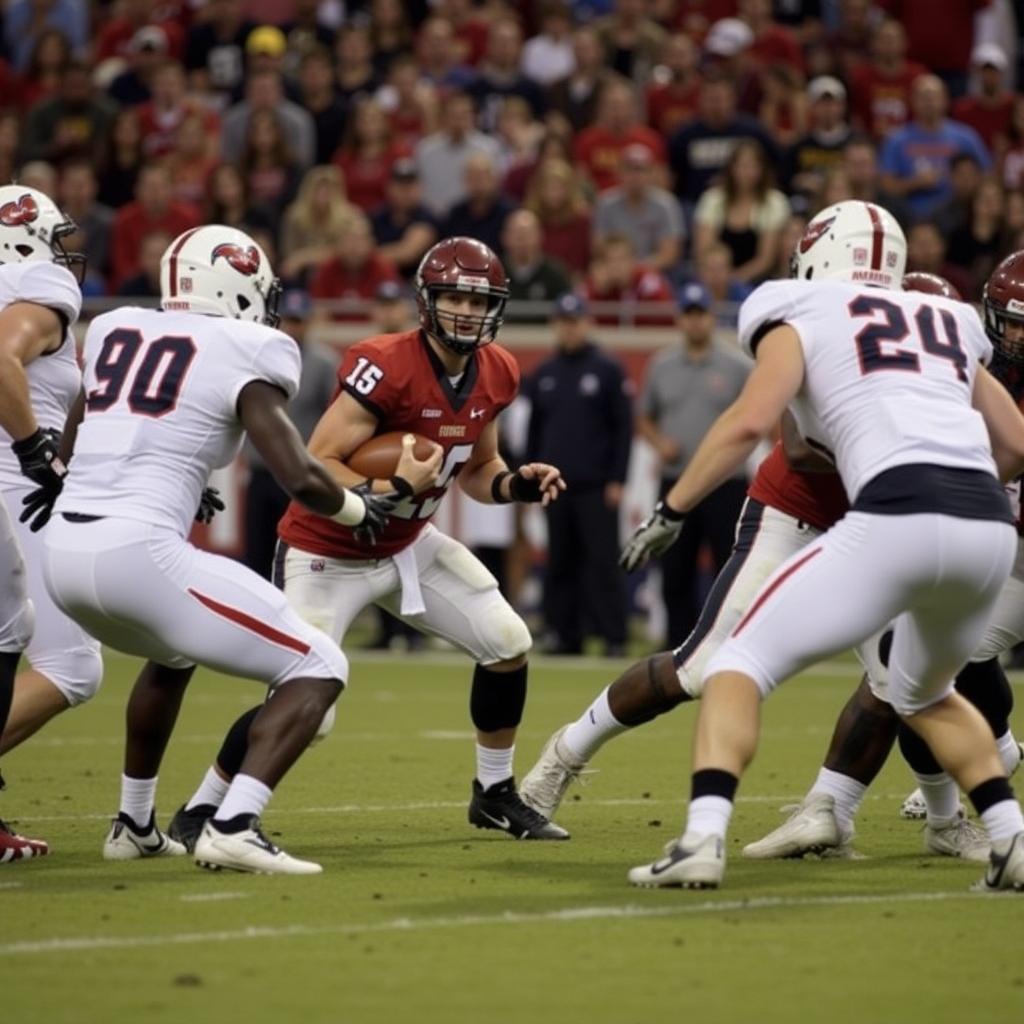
(814, 231)
(246, 260)
(22, 210)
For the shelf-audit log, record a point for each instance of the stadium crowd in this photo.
(640, 143)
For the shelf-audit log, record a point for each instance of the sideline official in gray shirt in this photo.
(686, 389)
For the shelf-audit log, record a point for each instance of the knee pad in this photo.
(326, 725)
(77, 672)
(505, 633)
(16, 633)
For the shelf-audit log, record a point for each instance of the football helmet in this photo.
(852, 241)
(1003, 303)
(32, 227)
(930, 284)
(220, 271)
(461, 264)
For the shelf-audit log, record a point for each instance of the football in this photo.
(378, 457)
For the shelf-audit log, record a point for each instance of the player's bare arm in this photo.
(487, 477)
(27, 331)
(1004, 422)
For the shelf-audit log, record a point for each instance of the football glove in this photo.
(37, 455)
(653, 537)
(378, 508)
(210, 504)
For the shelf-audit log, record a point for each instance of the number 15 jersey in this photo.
(888, 375)
(161, 409)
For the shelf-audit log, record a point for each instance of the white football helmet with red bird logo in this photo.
(32, 227)
(219, 271)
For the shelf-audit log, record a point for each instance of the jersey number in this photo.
(894, 331)
(417, 507)
(365, 376)
(157, 383)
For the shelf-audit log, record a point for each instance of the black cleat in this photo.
(186, 825)
(500, 807)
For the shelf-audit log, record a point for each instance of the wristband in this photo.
(668, 512)
(496, 496)
(401, 486)
(26, 444)
(525, 490)
(352, 511)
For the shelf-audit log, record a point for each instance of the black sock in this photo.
(236, 744)
(985, 685)
(497, 699)
(990, 793)
(714, 782)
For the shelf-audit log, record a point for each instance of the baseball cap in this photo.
(268, 39)
(825, 85)
(294, 305)
(694, 295)
(404, 170)
(728, 37)
(989, 53)
(388, 291)
(150, 38)
(569, 306)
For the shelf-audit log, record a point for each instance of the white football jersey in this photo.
(54, 378)
(161, 394)
(889, 375)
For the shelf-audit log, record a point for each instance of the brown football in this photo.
(378, 457)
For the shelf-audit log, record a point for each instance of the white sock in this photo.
(1003, 820)
(589, 733)
(941, 797)
(245, 795)
(709, 816)
(211, 791)
(846, 792)
(137, 799)
(1009, 751)
(493, 766)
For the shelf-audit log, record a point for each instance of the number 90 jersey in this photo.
(399, 379)
(888, 375)
(161, 396)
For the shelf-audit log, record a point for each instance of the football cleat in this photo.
(126, 842)
(811, 828)
(1005, 866)
(187, 823)
(692, 862)
(500, 807)
(247, 850)
(544, 785)
(960, 838)
(15, 847)
(915, 809)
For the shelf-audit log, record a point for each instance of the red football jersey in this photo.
(399, 379)
(881, 102)
(814, 498)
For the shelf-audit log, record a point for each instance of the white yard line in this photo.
(211, 897)
(509, 917)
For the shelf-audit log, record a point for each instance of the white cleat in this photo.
(1005, 866)
(544, 785)
(249, 850)
(915, 809)
(125, 842)
(811, 828)
(960, 838)
(693, 862)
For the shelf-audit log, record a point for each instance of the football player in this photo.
(169, 396)
(446, 381)
(921, 433)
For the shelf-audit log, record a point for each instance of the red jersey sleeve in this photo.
(378, 381)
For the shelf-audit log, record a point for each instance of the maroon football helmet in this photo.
(462, 265)
(930, 284)
(1003, 301)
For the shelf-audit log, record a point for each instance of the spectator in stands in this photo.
(772, 43)
(170, 104)
(356, 76)
(93, 221)
(353, 272)
(410, 103)
(442, 156)
(790, 238)
(965, 177)
(153, 209)
(556, 195)
(367, 154)
(47, 61)
(40, 175)
(316, 88)
(120, 36)
(980, 243)
(615, 276)
(850, 39)
(835, 188)
(390, 34)
(438, 57)
(727, 55)
(880, 88)
(746, 213)
(990, 109)
(519, 137)
(10, 143)
(575, 97)
(554, 144)
(499, 76)
(227, 202)
(821, 149)
(714, 271)
(25, 21)
(673, 90)
(121, 159)
(469, 26)
(403, 228)
(265, 50)
(312, 223)
(1011, 164)
(649, 216)
(860, 161)
(598, 149)
(548, 55)
(699, 151)
(532, 275)
(147, 52)
(926, 252)
(215, 50)
(271, 172)
(264, 92)
(783, 107)
(76, 122)
(632, 39)
(305, 32)
(146, 283)
(483, 212)
(915, 158)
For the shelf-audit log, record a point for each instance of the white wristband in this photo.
(352, 512)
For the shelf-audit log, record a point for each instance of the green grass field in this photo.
(418, 917)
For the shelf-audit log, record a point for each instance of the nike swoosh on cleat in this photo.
(996, 867)
(501, 822)
(661, 866)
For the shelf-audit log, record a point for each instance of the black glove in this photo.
(378, 508)
(209, 505)
(40, 462)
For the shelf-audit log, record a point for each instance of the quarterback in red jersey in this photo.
(446, 382)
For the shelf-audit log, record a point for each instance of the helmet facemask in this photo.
(483, 328)
(76, 262)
